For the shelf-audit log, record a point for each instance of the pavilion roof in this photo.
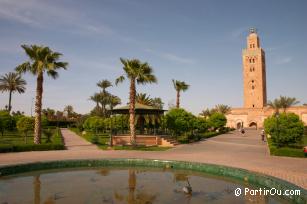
(139, 109)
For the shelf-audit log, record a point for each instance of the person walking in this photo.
(262, 136)
(242, 131)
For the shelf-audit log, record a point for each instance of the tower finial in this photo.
(252, 30)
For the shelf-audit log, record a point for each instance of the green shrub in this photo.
(201, 125)
(94, 123)
(6, 148)
(179, 121)
(25, 125)
(95, 139)
(285, 129)
(217, 120)
(30, 147)
(285, 151)
(5, 121)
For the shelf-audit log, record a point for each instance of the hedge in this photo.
(30, 147)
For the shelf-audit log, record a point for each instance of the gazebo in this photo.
(143, 113)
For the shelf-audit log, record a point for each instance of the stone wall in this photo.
(250, 116)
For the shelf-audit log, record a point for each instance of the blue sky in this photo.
(199, 42)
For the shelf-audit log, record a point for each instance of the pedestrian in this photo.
(242, 131)
(262, 136)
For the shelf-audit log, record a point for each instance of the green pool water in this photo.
(123, 185)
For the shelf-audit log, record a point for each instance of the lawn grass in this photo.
(13, 141)
(287, 151)
(104, 138)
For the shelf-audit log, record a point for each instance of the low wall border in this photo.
(239, 174)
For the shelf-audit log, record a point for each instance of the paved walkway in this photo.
(230, 149)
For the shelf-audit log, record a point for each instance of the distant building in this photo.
(255, 108)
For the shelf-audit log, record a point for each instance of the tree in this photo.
(143, 98)
(221, 108)
(12, 82)
(283, 102)
(217, 120)
(286, 102)
(5, 121)
(206, 113)
(113, 101)
(24, 125)
(140, 73)
(94, 123)
(42, 59)
(104, 84)
(284, 128)
(179, 86)
(275, 105)
(157, 103)
(69, 110)
(180, 121)
(49, 113)
(96, 99)
(201, 124)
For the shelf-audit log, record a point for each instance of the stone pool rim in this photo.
(242, 175)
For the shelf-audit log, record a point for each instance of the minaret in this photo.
(254, 74)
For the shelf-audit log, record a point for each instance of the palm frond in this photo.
(119, 80)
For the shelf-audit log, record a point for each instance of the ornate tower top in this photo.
(252, 30)
(253, 41)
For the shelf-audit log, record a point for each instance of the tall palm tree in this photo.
(221, 108)
(179, 86)
(41, 59)
(12, 82)
(140, 73)
(104, 84)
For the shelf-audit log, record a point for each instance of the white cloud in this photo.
(284, 60)
(43, 14)
(172, 57)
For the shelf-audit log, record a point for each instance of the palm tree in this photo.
(96, 99)
(283, 102)
(286, 102)
(157, 103)
(69, 110)
(206, 113)
(221, 108)
(143, 98)
(179, 86)
(104, 84)
(12, 82)
(113, 101)
(42, 59)
(275, 105)
(140, 73)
